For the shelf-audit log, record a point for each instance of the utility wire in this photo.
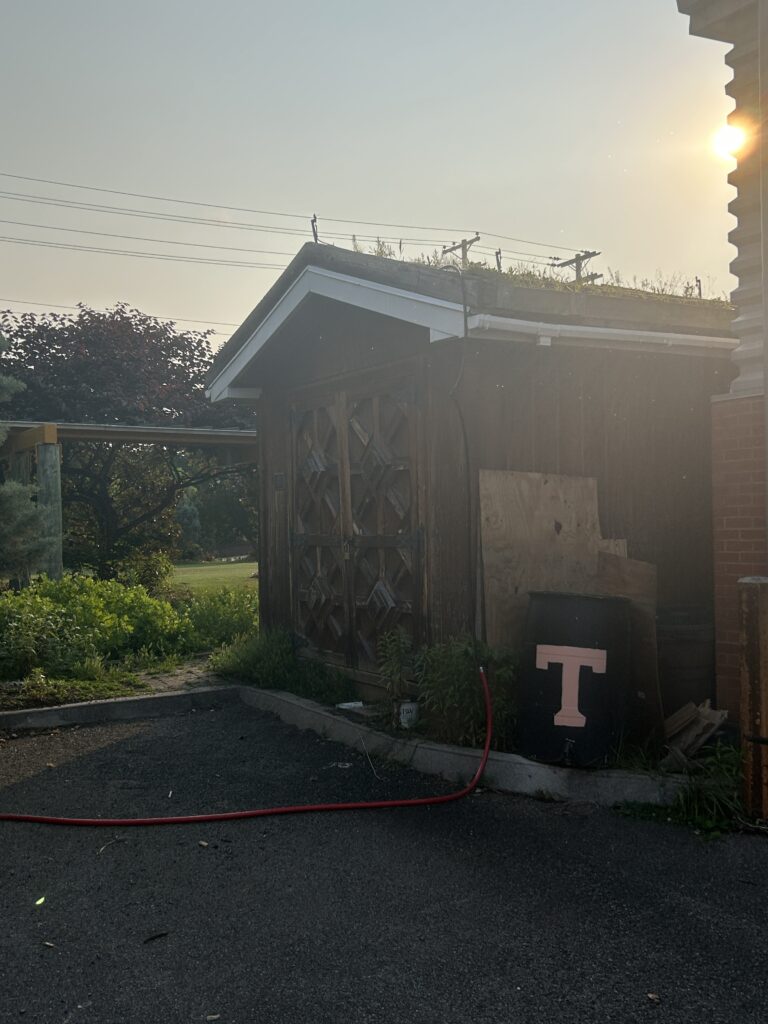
(275, 213)
(156, 316)
(141, 255)
(182, 219)
(143, 238)
(161, 199)
(205, 245)
(513, 255)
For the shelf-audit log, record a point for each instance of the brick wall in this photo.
(738, 524)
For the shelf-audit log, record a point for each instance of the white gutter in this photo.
(504, 328)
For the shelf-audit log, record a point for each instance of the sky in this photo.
(583, 125)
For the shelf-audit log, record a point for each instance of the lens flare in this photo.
(728, 141)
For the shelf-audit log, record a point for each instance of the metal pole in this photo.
(753, 705)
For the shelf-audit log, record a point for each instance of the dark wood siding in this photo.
(637, 422)
(274, 577)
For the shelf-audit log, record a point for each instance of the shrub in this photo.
(218, 616)
(268, 660)
(58, 625)
(148, 569)
(35, 632)
(127, 617)
(452, 695)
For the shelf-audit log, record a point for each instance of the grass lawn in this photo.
(212, 575)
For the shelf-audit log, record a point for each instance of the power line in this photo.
(160, 199)
(527, 241)
(174, 218)
(156, 316)
(514, 254)
(276, 213)
(143, 238)
(142, 255)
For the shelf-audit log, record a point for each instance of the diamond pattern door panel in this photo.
(385, 576)
(319, 570)
(356, 564)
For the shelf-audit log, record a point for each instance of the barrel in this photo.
(575, 678)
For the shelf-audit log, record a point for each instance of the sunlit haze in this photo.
(583, 125)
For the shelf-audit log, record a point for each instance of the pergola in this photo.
(32, 450)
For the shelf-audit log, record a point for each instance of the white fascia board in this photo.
(438, 315)
(507, 328)
(218, 394)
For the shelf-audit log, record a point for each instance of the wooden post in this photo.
(49, 504)
(753, 603)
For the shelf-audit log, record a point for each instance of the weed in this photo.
(269, 660)
(396, 662)
(38, 690)
(709, 802)
(450, 691)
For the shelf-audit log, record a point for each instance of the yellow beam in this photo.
(45, 433)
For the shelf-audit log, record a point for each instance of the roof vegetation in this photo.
(672, 286)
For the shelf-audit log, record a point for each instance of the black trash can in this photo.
(574, 686)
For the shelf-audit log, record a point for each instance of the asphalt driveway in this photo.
(494, 909)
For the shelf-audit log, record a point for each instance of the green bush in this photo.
(218, 616)
(144, 621)
(148, 569)
(58, 625)
(35, 632)
(268, 660)
(452, 696)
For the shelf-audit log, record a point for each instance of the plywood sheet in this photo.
(538, 532)
(541, 532)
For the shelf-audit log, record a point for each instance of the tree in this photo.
(20, 533)
(119, 366)
(221, 513)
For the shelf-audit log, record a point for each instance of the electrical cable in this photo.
(143, 238)
(263, 812)
(272, 213)
(156, 316)
(11, 240)
(173, 218)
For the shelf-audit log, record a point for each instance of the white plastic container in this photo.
(408, 713)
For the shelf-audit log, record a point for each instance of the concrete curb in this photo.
(507, 773)
(119, 709)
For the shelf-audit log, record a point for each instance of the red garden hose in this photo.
(263, 812)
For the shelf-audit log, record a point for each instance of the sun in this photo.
(728, 141)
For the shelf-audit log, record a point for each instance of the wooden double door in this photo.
(355, 538)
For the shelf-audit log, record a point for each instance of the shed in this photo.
(384, 388)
